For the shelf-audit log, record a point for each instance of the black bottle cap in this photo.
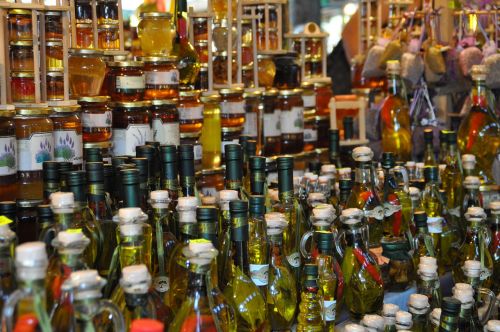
(65, 166)
(285, 163)
(145, 151)
(345, 185)
(44, 211)
(285, 174)
(168, 153)
(130, 176)
(242, 140)
(324, 240)
(334, 135)
(348, 127)
(431, 173)
(239, 222)
(108, 170)
(50, 171)
(142, 164)
(311, 270)
(95, 171)
(388, 160)
(451, 137)
(257, 163)
(314, 166)
(117, 161)
(257, 204)
(93, 155)
(7, 208)
(450, 306)
(75, 178)
(154, 144)
(238, 206)
(206, 214)
(428, 136)
(420, 218)
(186, 152)
(233, 152)
(28, 203)
(251, 149)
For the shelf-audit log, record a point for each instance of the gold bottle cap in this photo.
(22, 43)
(157, 59)
(162, 102)
(22, 74)
(35, 111)
(94, 99)
(130, 104)
(189, 93)
(52, 13)
(85, 51)
(231, 91)
(210, 96)
(100, 145)
(7, 113)
(307, 85)
(20, 12)
(55, 74)
(271, 92)
(253, 92)
(123, 64)
(320, 82)
(108, 26)
(231, 129)
(156, 15)
(290, 92)
(54, 43)
(65, 109)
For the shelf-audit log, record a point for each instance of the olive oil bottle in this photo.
(169, 181)
(257, 168)
(423, 242)
(428, 282)
(258, 249)
(495, 243)
(7, 274)
(393, 211)
(310, 310)
(418, 306)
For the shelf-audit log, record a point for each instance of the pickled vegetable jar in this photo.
(126, 80)
(165, 120)
(156, 33)
(162, 77)
(68, 144)
(232, 107)
(8, 154)
(291, 120)
(97, 119)
(86, 72)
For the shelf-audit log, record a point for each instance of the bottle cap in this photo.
(275, 222)
(228, 195)
(493, 325)
(472, 182)
(168, 153)
(130, 214)
(450, 306)
(418, 301)
(351, 216)
(354, 328)
(328, 168)
(475, 213)
(238, 206)
(50, 171)
(70, 236)
(472, 268)
(131, 229)
(94, 171)
(323, 211)
(257, 163)
(463, 295)
(208, 200)
(285, 163)
(324, 179)
(206, 214)
(9, 208)
(451, 137)
(428, 135)
(420, 218)
(345, 185)
(6, 234)
(31, 261)
(86, 283)
(410, 164)
(403, 318)
(428, 260)
(135, 279)
(233, 152)
(393, 67)
(200, 245)
(314, 197)
(468, 161)
(414, 192)
(344, 172)
(187, 202)
(257, 204)
(420, 165)
(373, 321)
(479, 72)
(64, 202)
(200, 252)
(186, 152)
(390, 309)
(160, 197)
(146, 325)
(75, 178)
(388, 160)
(324, 240)
(428, 269)
(436, 316)
(495, 207)
(311, 270)
(362, 154)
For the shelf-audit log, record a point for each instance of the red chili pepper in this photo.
(58, 281)
(372, 270)
(397, 216)
(495, 243)
(340, 278)
(366, 195)
(26, 323)
(205, 323)
(476, 122)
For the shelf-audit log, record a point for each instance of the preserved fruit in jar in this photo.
(68, 144)
(97, 119)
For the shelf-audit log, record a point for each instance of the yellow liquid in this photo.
(210, 136)
(310, 319)
(156, 36)
(281, 298)
(328, 284)
(395, 126)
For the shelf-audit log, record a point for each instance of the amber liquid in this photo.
(232, 120)
(86, 75)
(292, 143)
(272, 146)
(8, 183)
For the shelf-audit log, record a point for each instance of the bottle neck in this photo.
(78, 192)
(363, 174)
(131, 195)
(208, 231)
(197, 285)
(394, 85)
(74, 260)
(257, 181)
(136, 300)
(64, 220)
(188, 232)
(181, 23)
(448, 323)
(95, 192)
(479, 94)
(276, 249)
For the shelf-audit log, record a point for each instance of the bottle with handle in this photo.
(321, 219)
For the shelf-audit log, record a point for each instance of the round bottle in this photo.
(86, 72)
(97, 119)
(165, 121)
(68, 144)
(22, 87)
(162, 77)
(126, 81)
(271, 123)
(21, 55)
(190, 112)
(55, 85)
(291, 121)
(8, 154)
(232, 107)
(20, 24)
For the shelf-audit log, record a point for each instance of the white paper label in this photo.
(259, 274)
(435, 225)
(272, 126)
(191, 113)
(309, 100)
(130, 82)
(8, 155)
(292, 122)
(232, 107)
(126, 140)
(68, 146)
(161, 284)
(198, 151)
(310, 135)
(166, 133)
(162, 77)
(97, 120)
(294, 259)
(34, 151)
(376, 213)
(329, 308)
(250, 128)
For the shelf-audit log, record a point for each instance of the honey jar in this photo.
(126, 80)
(253, 117)
(21, 55)
(86, 72)
(53, 25)
(107, 12)
(267, 70)
(247, 76)
(54, 55)
(97, 119)
(190, 112)
(55, 85)
(200, 29)
(108, 37)
(271, 123)
(131, 126)
(83, 11)
(20, 24)
(68, 144)
(8, 156)
(270, 44)
(165, 121)
(84, 35)
(323, 89)
(232, 107)
(313, 67)
(291, 121)
(201, 48)
(156, 33)
(162, 77)
(202, 79)
(22, 87)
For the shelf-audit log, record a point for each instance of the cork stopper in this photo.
(276, 223)
(478, 72)
(362, 154)
(135, 279)
(62, 202)
(472, 182)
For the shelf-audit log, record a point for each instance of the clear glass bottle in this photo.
(310, 310)
(469, 166)
(429, 156)
(452, 181)
(423, 243)
(223, 260)
(472, 195)
(389, 313)
(450, 311)
(435, 317)
(418, 306)
(428, 282)
(258, 250)
(468, 317)
(495, 243)
(393, 214)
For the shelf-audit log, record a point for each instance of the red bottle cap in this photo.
(146, 325)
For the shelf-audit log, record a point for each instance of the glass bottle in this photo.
(479, 131)
(258, 251)
(435, 317)
(393, 214)
(403, 321)
(210, 132)
(147, 156)
(8, 282)
(469, 165)
(416, 201)
(364, 289)
(257, 167)
(224, 230)
(399, 272)
(364, 195)
(395, 116)
(282, 296)
(472, 272)
(443, 146)
(334, 148)
(429, 156)
(423, 242)
(271, 130)
(373, 323)
(29, 298)
(50, 177)
(165, 122)
(452, 180)
(207, 218)
(27, 228)
(8, 170)
(253, 123)
(495, 243)
(389, 313)
(169, 177)
(142, 165)
(291, 120)
(428, 282)
(242, 293)
(310, 310)
(472, 195)
(187, 156)
(418, 306)
(450, 311)
(468, 317)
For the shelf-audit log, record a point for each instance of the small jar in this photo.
(323, 128)
(287, 71)
(55, 85)
(131, 126)
(35, 144)
(53, 26)
(313, 67)
(246, 33)
(253, 124)
(220, 68)
(314, 47)
(108, 37)
(272, 16)
(399, 274)
(22, 87)
(162, 77)
(27, 226)
(310, 130)
(267, 70)
(232, 107)
(156, 33)
(230, 135)
(247, 76)
(54, 55)
(270, 44)
(291, 121)
(84, 35)
(190, 112)
(210, 133)
(68, 143)
(126, 81)
(97, 119)
(165, 120)
(86, 72)
(194, 140)
(107, 12)
(271, 123)
(202, 79)
(104, 147)
(21, 55)
(20, 24)
(83, 11)
(246, 56)
(201, 48)
(200, 29)
(323, 89)
(8, 156)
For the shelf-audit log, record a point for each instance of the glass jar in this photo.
(232, 107)
(287, 71)
(211, 130)
(104, 147)
(165, 120)
(314, 47)
(323, 89)
(399, 274)
(53, 26)
(21, 55)
(86, 72)
(200, 29)
(107, 12)
(310, 130)
(313, 67)
(270, 44)
(220, 9)
(202, 79)
(220, 68)
(54, 55)
(253, 117)
(126, 80)
(8, 154)
(27, 227)
(267, 70)
(108, 37)
(20, 24)
(68, 144)
(190, 112)
(22, 87)
(291, 121)
(230, 135)
(246, 56)
(97, 119)
(246, 33)
(84, 35)
(156, 33)
(272, 16)
(201, 48)
(131, 126)
(55, 85)
(162, 77)
(83, 11)
(35, 144)
(271, 123)
(247, 76)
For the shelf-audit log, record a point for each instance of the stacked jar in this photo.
(232, 114)
(68, 143)
(253, 115)
(161, 77)
(8, 156)
(200, 38)
(191, 121)
(54, 56)
(310, 129)
(108, 31)
(269, 41)
(271, 132)
(291, 109)
(323, 90)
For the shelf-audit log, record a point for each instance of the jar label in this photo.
(272, 126)
(329, 310)
(292, 122)
(166, 133)
(198, 151)
(310, 135)
(125, 140)
(130, 82)
(68, 146)
(232, 107)
(8, 158)
(250, 127)
(34, 151)
(259, 274)
(97, 120)
(170, 77)
(309, 100)
(435, 225)
(191, 113)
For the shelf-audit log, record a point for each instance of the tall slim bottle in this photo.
(450, 311)
(334, 148)
(7, 274)
(224, 230)
(429, 156)
(393, 211)
(169, 180)
(310, 310)
(258, 248)
(186, 169)
(495, 243)
(423, 242)
(257, 166)
(234, 168)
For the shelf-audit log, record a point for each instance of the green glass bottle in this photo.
(389, 313)
(423, 243)
(450, 311)
(240, 290)
(186, 169)
(169, 180)
(7, 274)
(258, 249)
(257, 168)
(51, 181)
(428, 282)
(429, 156)
(472, 195)
(310, 310)
(334, 148)
(281, 288)
(452, 180)
(142, 165)
(443, 146)
(207, 218)
(151, 154)
(418, 306)
(393, 212)
(233, 180)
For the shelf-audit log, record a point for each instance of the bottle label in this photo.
(156, 78)
(97, 120)
(376, 213)
(191, 113)
(166, 133)
(126, 140)
(390, 209)
(435, 225)
(294, 259)
(250, 128)
(68, 146)
(259, 274)
(485, 273)
(272, 126)
(232, 107)
(310, 135)
(34, 151)
(292, 122)
(329, 310)
(161, 284)
(198, 151)
(8, 158)
(130, 82)
(309, 100)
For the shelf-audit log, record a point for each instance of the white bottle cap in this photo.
(344, 171)
(462, 286)
(200, 252)
(324, 179)
(493, 325)
(427, 269)
(228, 195)
(414, 191)
(354, 328)
(495, 207)
(275, 222)
(323, 211)
(78, 278)
(308, 175)
(420, 165)
(410, 164)
(129, 214)
(463, 295)
(200, 245)
(131, 229)
(479, 72)
(428, 260)
(472, 268)
(351, 216)
(208, 200)
(316, 197)
(135, 279)
(6, 234)
(362, 154)
(66, 238)
(475, 213)
(63, 202)
(31, 254)
(468, 161)
(390, 309)
(328, 168)
(403, 318)
(187, 202)
(86, 283)
(375, 322)
(418, 301)
(472, 182)
(159, 195)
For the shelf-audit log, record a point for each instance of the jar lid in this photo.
(195, 134)
(84, 25)
(100, 145)
(55, 74)
(231, 129)
(94, 99)
(7, 113)
(157, 59)
(108, 26)
(21, 43)
(268, 6)
(23, 74)
(189, 93)
(85, 51)
(322, 82)
(210, 96)
(291, 92)
(253, 92)
(230, 91)
(20, 11)
(130, 104)
(54, 43)
(199, 19)
(156, 15)
(33, 111)
(307, 85)
(204, 67)
(52, 13)
(161, 102)
(201, 43)
(122, 64)
(271, 92)
(66, 109)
